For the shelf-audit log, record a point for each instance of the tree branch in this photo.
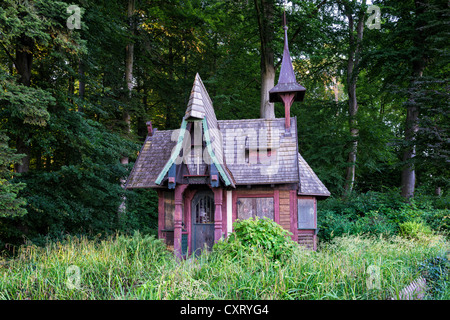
(8, 54)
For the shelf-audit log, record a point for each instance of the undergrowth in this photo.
(139, 267)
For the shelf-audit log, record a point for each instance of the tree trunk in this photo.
(170, 74)
(22, 148)
(71, 88)
(412, 110)
(352, 77)
(265, 13)
(129, 59)
(24, 59)
(408, 173)
(267, 110)
(23, 62)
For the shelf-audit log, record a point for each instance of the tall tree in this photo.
(412, 110)
(27, 28)
(411, 59)
(265, 12)
(355, 18)
(129, 60)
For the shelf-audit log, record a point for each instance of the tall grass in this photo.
(140, 267)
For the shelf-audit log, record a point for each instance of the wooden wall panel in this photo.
(285, 212)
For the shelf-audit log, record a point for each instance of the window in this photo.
(254, 207)
(306, 213)
(260, 156)
(204, 209)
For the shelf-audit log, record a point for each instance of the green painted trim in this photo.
(212, 155)
(180, 145)
(175, 154)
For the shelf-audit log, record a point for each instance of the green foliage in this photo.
(436, 271)
(414, 230)
(258, 234)
(27, 105)
(139, 267)
(141, 212)
(379, 213)
(82, 193)
(409, 57)
(322, 139)
(10, 204)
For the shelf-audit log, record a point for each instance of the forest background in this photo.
(80, 79)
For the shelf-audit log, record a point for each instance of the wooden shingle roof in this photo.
(157, 150)
(200, 106)
(241, 138)
(153, 156)
(309, 183)
(246, 152)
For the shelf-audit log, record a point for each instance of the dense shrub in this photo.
(414, 230)
(258, 234)
(380, 213)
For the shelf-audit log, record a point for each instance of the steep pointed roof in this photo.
(286, 81)
(200, 107)
(199, 100)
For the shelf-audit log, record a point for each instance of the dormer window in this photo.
(259, 156)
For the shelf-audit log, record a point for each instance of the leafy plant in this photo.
(414, 230)
(436, 272)
(256, 233)
(10, 203)
(379, 213)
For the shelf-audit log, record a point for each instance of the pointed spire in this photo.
(196, 105)
(287, 84)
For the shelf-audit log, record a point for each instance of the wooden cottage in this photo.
(211, 172)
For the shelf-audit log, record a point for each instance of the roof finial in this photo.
(287, 90)
(286, 80)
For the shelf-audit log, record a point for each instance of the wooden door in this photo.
(202, 221)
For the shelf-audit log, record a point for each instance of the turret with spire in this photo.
(287, 90)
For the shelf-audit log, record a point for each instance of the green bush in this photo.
(379, 213)
(258, 234)
(438, 219)
(414, 230)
